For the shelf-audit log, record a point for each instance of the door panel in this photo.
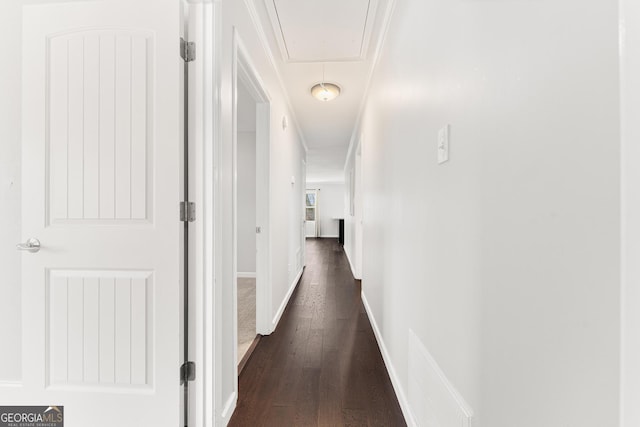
(101, 159)
(101, 115)
(100, 329)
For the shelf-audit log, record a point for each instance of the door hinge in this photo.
(187, 211)
(187, 372)
(187, 50)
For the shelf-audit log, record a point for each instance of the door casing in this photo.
(245, 71)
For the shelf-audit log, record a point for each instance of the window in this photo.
(311, 199)
(310, 214)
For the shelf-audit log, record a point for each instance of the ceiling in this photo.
(334, 37)
(330, 30)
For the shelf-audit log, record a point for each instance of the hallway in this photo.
(477, 159)
(322, 366)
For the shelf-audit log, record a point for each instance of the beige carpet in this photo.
(246, 315)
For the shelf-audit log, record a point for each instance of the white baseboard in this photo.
(395, 381)
(353, 269)
(246, 275)
(430, 393)
(285, 301)
(228, 409)
(329, 236)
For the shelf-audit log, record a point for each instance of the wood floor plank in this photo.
(322, 366)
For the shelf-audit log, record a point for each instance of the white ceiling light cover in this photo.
(325, 91)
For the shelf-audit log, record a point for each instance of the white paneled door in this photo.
(101, 144)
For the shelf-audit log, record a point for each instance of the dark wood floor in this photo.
(322, 366)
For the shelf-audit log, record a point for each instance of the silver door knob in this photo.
(31, 245)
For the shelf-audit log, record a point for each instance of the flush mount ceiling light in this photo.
(325, 91)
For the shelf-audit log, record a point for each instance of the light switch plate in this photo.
(443, 144)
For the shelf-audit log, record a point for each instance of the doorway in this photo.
(246, 222)
(251, 263)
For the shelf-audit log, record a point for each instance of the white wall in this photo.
(505, 260)
(10, 185)
(353, 223)
(293, 222)
(286, 198)
(246, 214)
(331, 205)
(630, 157)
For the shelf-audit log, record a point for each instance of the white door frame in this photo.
(243, 70)
(204, 28)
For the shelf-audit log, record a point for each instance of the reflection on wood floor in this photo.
(322, 366)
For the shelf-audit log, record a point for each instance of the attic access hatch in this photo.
(322, 31)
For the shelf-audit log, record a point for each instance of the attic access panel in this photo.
(322, 30)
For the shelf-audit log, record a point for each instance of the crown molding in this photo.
(255, 19)
(372, 8)
(386, 23)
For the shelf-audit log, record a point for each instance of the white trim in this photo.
(277, 33)
(386, 21)
(463, 411)
(245, 71)
(285, 301)
(329, 236)
(395, 381)
(205, 95)
(213, 187)
(246, 275)
(364, 42)
(203, 28)
(262, 36)
(264, 274)
(229, 408)
(353, 270)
